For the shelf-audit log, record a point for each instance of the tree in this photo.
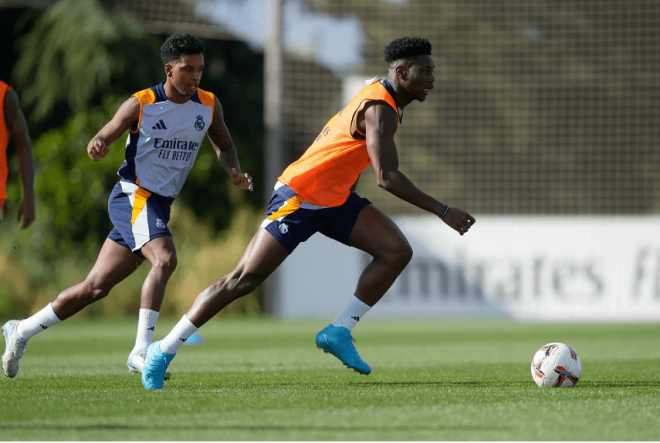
(73, 53)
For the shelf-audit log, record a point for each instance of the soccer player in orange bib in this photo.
(315, 194)
(13, 128)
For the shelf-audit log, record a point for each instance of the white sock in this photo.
(352, 313)
(145, 333)
(40, 321)
(178, 336)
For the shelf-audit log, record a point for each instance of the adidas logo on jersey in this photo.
(159, 125)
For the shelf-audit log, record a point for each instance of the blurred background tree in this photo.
(82, 49)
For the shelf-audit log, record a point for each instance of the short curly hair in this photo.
(180, 44)
(406, 47)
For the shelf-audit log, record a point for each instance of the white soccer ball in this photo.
(556, 365)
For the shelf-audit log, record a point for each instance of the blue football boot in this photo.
(155, 367)
(338, 341)
(136, 361)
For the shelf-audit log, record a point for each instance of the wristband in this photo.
(444, 213)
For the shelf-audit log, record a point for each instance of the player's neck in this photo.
(173, 95)
(402, 97)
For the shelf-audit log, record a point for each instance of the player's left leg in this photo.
(140, 223)
(161, 253)
(375, 233)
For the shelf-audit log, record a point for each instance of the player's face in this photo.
(420, 77)
(185, 73)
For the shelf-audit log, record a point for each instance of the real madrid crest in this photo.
(199, 123)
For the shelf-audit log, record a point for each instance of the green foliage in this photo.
(77, 54)
(76, 63)
(68, 56)
(71, 198)
(15, 282)
(72, 222)
(35, 267)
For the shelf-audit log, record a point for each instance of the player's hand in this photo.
(460, 221)
(27, 212)
(97, 149)
(243, 181)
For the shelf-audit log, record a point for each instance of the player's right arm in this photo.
(126, 116)
(380, 124)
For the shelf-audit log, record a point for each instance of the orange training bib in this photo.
(332, 164)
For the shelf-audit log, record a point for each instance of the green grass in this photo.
(265, 380)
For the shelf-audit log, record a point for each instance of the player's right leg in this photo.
(114, 264)
(262, 256)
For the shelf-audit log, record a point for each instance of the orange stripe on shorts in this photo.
(291, 206)
(141, 196)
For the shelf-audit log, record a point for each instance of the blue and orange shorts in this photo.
(138, 215)
(291, 220)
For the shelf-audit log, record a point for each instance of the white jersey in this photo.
(161, 151)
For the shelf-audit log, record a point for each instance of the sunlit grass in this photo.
(265, 380)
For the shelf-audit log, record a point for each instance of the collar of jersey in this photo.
(386, 83)
(159, 92)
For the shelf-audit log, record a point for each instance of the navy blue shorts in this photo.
(138, 215)
(292, 221)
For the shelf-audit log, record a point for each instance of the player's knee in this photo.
(248, 283)
(93, 291)
(401, 255)
(166, 263)
(244, 282)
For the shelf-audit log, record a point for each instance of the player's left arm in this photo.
(380, 123)
(225, 149)
(20, 137)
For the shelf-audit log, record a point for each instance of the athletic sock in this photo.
(40, 321)
(145, 333)
(354, 310)
(178, 336)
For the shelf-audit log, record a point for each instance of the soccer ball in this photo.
(556, 365)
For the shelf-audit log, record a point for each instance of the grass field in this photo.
(265, 380)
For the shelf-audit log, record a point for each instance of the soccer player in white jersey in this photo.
(167, 124)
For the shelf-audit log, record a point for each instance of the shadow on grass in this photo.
(33, 427)
(483, 384)
(620, 384)
(221, 427)
(480, 384)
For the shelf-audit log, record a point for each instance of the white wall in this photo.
(526, 268)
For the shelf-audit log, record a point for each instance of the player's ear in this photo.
(401, 72)
(168, 69)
